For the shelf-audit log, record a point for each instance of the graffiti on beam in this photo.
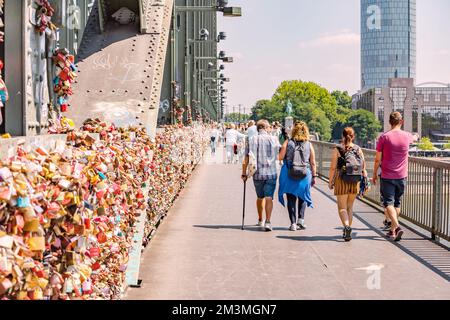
(121, 69)
(164, 105)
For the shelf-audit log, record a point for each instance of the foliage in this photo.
(315, 118)
(325, 113)
(365, 124)
(343, 99)
(425, 144)
(341, 122)
(267, 109)
(447, 146)
(299, 93)
(236, 117)
(256, 109)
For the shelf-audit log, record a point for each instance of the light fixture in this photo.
(222, 5)
(204, 34)
(222, 36)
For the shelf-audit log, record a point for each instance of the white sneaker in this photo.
(268, 226)
(260, 224)
(301, 224)
(293, 227)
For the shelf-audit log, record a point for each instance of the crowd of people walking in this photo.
(267, 146)
(235, 138)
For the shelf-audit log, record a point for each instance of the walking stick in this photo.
(243, 205)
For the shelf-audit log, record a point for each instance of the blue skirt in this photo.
(298, 188)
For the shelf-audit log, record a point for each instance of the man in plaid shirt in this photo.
(264, 149)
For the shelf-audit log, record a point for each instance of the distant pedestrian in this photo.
(347, 169)
(392, 154)
(252, 130)
(214, 136)
(241, 142)
(263, 149)
(297, 174)
(231, 138)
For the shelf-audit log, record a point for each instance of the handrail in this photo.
(426, 201)
(425, 161)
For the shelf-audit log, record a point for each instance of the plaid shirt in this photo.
(266, 148)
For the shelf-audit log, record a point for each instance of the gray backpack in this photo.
(350, 164)
(298, 170)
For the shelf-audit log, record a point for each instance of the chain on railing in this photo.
(426, 201)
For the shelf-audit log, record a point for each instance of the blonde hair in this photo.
(262, 124)
(300, 131)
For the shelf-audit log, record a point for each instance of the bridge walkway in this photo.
(200, 252)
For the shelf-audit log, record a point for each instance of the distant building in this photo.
(425, 108)
(388, 41)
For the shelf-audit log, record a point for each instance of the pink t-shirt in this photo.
(395, 146)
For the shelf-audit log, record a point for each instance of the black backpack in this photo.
(299, 167)
(350, 164)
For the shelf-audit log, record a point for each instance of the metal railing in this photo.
(426, 202)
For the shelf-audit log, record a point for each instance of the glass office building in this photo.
(388, 41)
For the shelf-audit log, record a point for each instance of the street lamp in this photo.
(222, 6)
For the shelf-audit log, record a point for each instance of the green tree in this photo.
(343, 111)
(256, 109)
(300, 93)
(341, 122)
(267, 109)
(315, 118)
(270, 111)
(236, 117)
(342, 98)
(425, 144)
(365, 124)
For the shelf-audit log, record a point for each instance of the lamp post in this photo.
(201, 19)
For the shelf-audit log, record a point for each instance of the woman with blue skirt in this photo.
(297, 174)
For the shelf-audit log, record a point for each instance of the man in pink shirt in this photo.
(392, 154)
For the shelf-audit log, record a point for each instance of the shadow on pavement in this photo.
(230, 227)
(235, 227)
(359, 229)
(336, 238)
(432, 255)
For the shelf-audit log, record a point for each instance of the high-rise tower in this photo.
(388, 41)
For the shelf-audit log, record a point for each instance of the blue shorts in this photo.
(265, 188)
(392, 191)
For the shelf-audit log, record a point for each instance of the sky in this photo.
(316, 40)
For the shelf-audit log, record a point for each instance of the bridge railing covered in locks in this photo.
(67, 216)
(427, 197)
(178, 151)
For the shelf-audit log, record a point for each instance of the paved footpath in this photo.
(200, 252)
